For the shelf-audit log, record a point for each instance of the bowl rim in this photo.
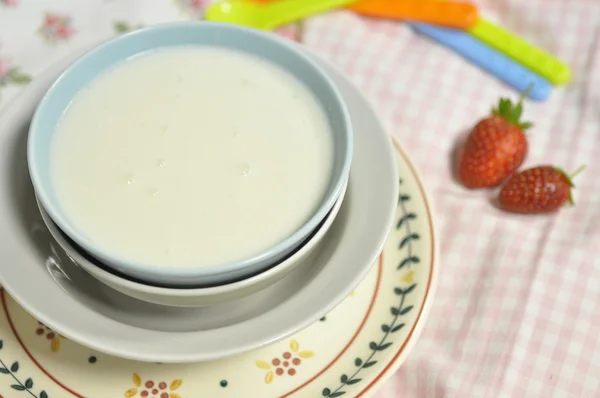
(162, 291)
(135, 269)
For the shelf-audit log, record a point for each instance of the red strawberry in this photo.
(541, 189)
(495, 148)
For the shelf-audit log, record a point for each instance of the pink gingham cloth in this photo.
(516, 312)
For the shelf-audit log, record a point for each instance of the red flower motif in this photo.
(152, 389)
(4, 67)
(50, 20)
(56, 27)
(193, 7)
(54, 338)
(286, 364)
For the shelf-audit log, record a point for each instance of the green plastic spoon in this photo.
(271, 15)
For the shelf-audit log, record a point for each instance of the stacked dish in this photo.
(163, 140)
(213, 172)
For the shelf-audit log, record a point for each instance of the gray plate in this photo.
(77, 306)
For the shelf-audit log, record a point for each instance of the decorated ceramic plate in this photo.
(349, 352)
(51, 287)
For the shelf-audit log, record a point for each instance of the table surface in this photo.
(516, 312)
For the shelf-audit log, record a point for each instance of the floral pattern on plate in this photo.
(153, 389)
(286, 363)
(347, 353)
(56, 27)
(11, 75)
(9, 3)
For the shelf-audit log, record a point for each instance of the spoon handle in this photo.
(527, 54)
(282, 12)
(451, 14)
(489, 59)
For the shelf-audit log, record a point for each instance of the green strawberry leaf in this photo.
(569, 179)
(526, 125)
(512, 113)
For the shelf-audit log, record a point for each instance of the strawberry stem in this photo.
(512, 112)
(526, 93)
(570, 181)
(579, 170)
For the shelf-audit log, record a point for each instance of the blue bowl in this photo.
(279, 51)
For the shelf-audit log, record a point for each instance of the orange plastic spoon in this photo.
(451, 14)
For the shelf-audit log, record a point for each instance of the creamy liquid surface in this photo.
(194, 156)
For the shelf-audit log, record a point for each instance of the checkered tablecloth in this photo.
(516, 312)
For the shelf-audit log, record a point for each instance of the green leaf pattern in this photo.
(18, 384)
(124, 27)
(13, 76)
(394, 325)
